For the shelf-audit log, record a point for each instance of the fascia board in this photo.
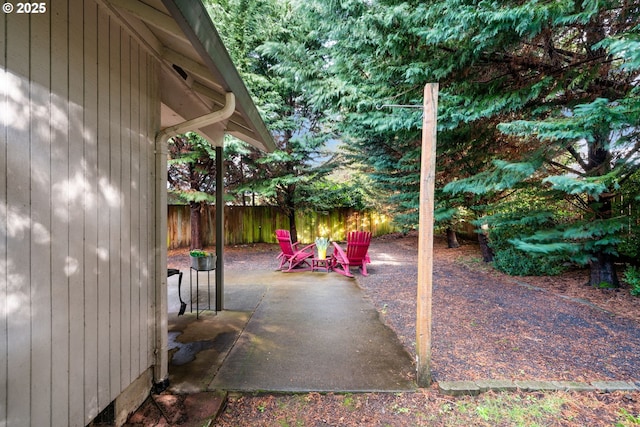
(193, 19)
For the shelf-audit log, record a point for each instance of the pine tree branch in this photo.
(631, 169)
(631, 153)
(581, 204)
(522, 63)
(577, 157)
(411, 89)
(565, 167)
(561, 51)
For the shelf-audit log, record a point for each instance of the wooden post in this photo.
(220, 227)
(425, 236)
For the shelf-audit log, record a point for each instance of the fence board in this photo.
(258, 224)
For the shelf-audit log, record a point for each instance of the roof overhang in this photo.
(196, 71)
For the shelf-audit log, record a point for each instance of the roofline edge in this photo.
(195, 22)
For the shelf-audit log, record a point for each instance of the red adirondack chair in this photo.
(356, 254)
(290, 256)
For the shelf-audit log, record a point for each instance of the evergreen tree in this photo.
(579, 107)
(191, 175)
(367, 49)
(278, 58)
(560, 76)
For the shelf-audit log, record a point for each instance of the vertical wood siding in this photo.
(4, 267)
(78, 100)
(18, 217)
(4, 300)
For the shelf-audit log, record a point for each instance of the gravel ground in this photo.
(486, 325)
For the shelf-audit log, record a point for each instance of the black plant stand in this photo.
(208, 307)
(174, 271)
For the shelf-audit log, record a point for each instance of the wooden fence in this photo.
(258, 224)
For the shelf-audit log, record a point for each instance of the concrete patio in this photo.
(279, 332)
(288, 332)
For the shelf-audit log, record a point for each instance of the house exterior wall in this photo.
(79, 110)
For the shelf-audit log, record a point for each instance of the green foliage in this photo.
(627, 419)
(625, 48)
(632, 277)
(275, 49)
(533, 96)
(191, 196)
(322, 243)
(191, 168)
(577, 242)
(570, 185)
(518, 263)
(629, 246)
(536, 67)
(506, 228)
(503, 176)
(515, 410)
(518, 216)
(198, 253)
(628, 206)
(323, 195)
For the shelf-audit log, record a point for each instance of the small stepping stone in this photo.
(459, 388)
(536, 386)
(496, 385)
(609, 386)
(573, 386)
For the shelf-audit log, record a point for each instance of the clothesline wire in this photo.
(380, 107)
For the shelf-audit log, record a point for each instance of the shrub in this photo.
(630, 245)
(518, 263)
(632, 277)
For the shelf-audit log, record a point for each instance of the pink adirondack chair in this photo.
(290, 256)
(356, 254)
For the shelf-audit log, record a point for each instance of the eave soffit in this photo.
(196, 68)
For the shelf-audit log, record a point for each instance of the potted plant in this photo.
(322, 243)
(202, 260)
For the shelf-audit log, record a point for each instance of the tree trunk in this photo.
(292, 225)
(290, 207)
(196, 235)
(487, 252)
(452, 239)
(602, 272)
(602, 269)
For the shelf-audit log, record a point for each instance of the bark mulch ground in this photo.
(486, 325)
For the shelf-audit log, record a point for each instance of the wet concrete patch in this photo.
(187, 352)
(199, 346)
